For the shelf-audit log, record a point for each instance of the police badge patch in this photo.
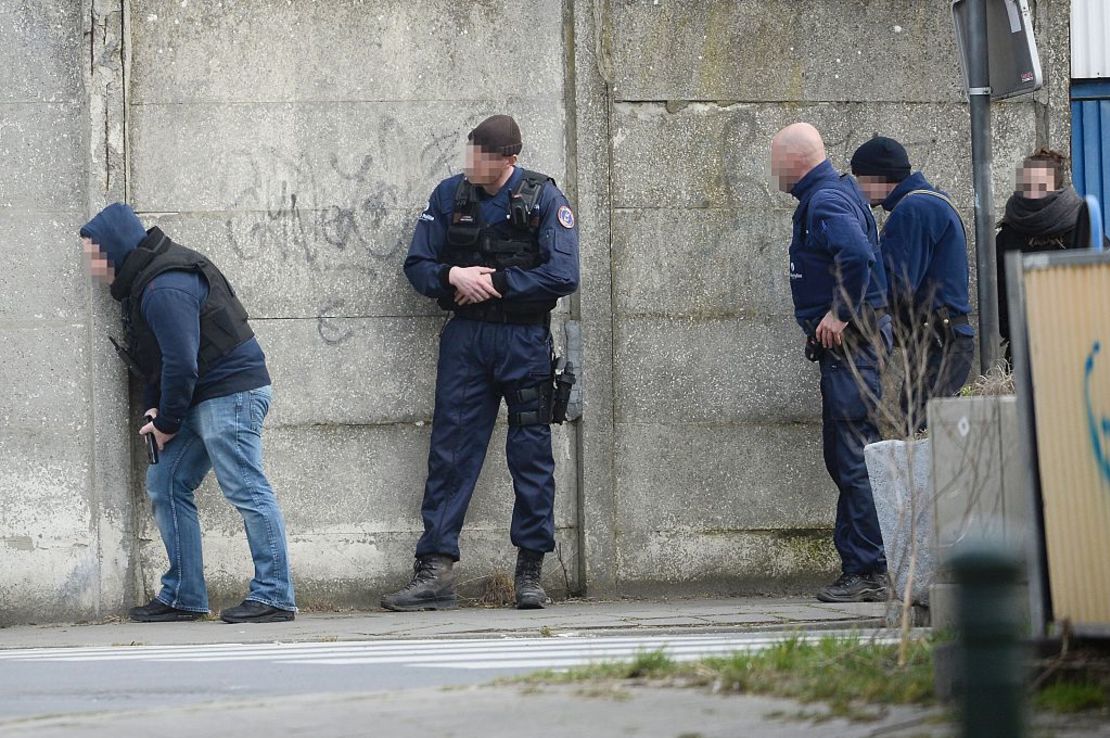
(566, 217)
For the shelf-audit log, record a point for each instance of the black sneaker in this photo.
(157, 611)
(432, 587)
(855, 588)
(529, 592)
(252, 611)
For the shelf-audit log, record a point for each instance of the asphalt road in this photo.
(58, 681)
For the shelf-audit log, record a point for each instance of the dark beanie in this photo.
(498, 134)
(881, 157)
(116, 231)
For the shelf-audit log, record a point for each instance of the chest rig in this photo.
(223, 319)
(513, 242)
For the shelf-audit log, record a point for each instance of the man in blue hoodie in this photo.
(207, 392)
(924, 247)
(839, 292)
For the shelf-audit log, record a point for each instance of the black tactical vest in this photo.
(512, 243)
(223, 319)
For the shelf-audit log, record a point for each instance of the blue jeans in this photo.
(224, 433)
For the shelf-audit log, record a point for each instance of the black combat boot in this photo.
(529, 592)
(432, 587)
(856, 588)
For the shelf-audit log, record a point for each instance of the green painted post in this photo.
(992, 663)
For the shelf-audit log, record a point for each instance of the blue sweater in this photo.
(834, 254)
(171, 306)
(925, 252)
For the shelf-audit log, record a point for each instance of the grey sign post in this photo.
(999, 58)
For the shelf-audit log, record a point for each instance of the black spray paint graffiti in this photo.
(332, 216)
(332, 331)
(302, 212)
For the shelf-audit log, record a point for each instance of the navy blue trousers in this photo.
(947, 367)
(848, 424)
(480, 363)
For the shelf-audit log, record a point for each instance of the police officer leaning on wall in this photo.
(208, 391)
(497, 247)
(839, 293)
(924, 247)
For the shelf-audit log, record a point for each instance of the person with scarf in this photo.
(1041, 215)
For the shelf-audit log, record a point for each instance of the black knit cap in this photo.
(881, 157)
(497, 134)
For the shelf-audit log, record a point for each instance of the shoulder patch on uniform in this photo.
(427, 214)
(565, 216)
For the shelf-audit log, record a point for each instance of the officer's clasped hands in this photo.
(472, 284)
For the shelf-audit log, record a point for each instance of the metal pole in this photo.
(979, 94)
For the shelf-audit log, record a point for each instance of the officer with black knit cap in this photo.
(207, 391)
(924, 247)
(497, 246)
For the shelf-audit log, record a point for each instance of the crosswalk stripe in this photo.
(329, 645)
(496, 653)
(510, 659)
(447, 654)
(237, 651)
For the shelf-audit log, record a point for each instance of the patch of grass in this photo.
(835, 671)
(843, 673)
(1068, 697)
(546, 632)
(645, 665)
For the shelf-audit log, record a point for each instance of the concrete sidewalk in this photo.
(581, 617)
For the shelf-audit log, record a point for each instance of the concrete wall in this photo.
(65, 502)
(719, 478)
(296, 142)
(299, 161)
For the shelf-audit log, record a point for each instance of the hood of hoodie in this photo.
(116, 231)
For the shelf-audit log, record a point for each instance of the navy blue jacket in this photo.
(925, 252)
(171, 306)
(556, 277)
(834, 255)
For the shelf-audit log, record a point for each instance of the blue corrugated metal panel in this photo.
(1090, 141)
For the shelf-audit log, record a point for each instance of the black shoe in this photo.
(432, 587)
(529, 591)
(252, 611)
(855, 588)
(157, 611)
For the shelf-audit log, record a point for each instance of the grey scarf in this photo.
(1054, 213)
